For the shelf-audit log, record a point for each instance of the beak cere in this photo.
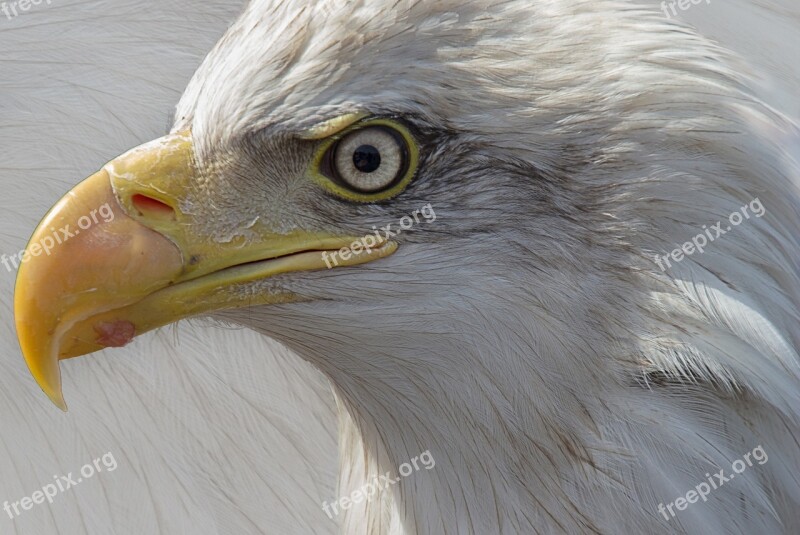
(116, 257)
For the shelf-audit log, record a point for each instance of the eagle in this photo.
(503, 231)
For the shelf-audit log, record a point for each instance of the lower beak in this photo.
(117, 257)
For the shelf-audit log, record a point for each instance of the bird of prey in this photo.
(547, 335)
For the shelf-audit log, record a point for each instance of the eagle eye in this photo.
(370, 161)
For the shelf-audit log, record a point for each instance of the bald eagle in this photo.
(571, 364)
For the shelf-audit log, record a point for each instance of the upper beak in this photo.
(118, 256)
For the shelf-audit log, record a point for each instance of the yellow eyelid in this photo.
(355, 196)
(331, 127)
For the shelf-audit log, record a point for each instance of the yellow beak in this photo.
(118, 256)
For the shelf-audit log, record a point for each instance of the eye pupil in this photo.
(367, 159)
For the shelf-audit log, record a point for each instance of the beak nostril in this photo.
(150, 207)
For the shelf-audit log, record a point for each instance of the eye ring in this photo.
(373, 160)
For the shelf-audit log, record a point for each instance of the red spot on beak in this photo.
(114, 334)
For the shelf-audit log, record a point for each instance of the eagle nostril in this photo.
(152, 208)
